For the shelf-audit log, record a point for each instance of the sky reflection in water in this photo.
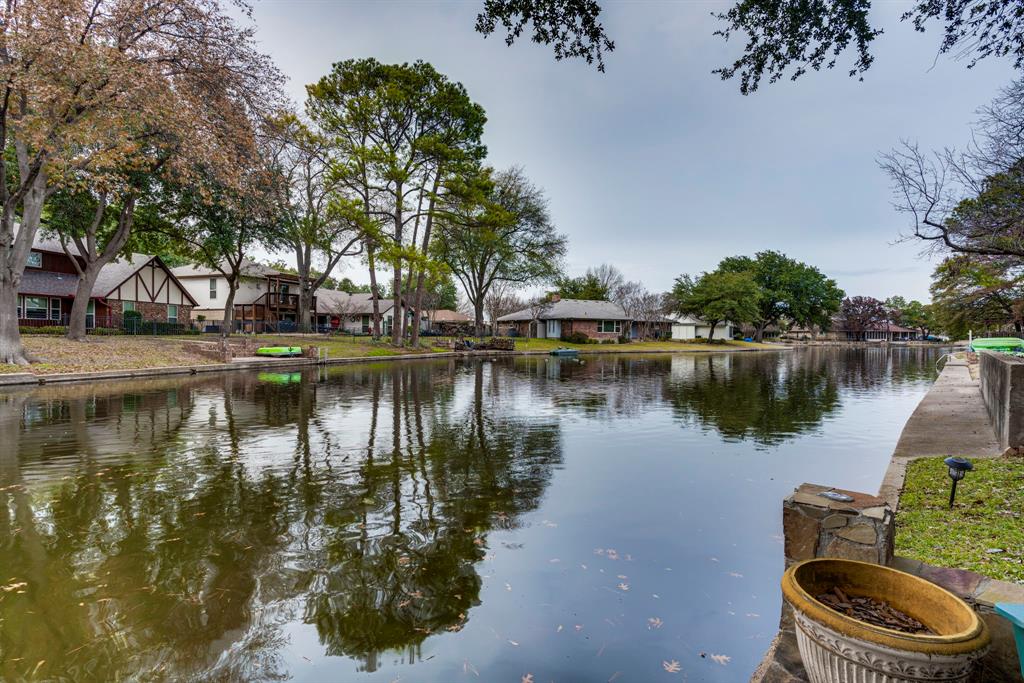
(430, 521)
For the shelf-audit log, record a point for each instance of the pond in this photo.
(444, 520)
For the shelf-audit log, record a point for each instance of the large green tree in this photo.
(718, 297)
(586, 286)
(504, 235)
(401, 134)
(977, 293)
(790, 290)
(784, 38)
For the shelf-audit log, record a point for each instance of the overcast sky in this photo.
(657, 165)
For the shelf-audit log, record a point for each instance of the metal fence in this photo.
(106, 325)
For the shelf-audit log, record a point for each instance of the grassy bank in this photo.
(984, 532)
(57, 355)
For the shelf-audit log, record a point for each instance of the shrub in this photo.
(132, 315)
(105, 331)
(201, 318)
(623, 339)
(576, 338)
(43, 329)
(609, 341)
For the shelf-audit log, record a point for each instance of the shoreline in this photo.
(16, 379)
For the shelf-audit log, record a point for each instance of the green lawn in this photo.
(985, 530)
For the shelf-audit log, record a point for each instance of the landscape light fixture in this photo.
(958, 469)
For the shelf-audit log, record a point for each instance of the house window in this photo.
(610, 326)
(35, 259)
(54, 309)
(366, 323)
(127, 306)
(36, 307)
(21, 301)
(172, 313)
(90, 314)
(213, 288)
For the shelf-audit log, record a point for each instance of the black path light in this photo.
(958, 469)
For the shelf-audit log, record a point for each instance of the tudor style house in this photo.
(138, 282)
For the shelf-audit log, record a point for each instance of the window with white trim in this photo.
(213, 288)
(609, 326)
(172, 313)
(37, 307)
(35, 259)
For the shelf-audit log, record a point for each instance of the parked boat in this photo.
(997, 344)
(563, 352)
(279, 351)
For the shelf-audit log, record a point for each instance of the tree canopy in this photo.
(717, 297)
(789, 289)
(784, 38)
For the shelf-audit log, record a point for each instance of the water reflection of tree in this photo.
(763, 397)
(190, 563)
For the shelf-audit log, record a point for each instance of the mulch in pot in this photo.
(874, 612)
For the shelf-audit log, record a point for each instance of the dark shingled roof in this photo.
(572, 309)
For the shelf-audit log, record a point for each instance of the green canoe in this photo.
(279, 351)
(997, 344)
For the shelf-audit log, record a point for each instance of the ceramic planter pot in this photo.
(836, 648)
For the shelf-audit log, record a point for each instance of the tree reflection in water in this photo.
(185, 544)
(224, 527)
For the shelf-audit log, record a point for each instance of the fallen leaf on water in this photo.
(721, 659)
(654, 622)
(508, 586)
(578, 627)
(623, 586)
(753, 615)
(468, 668)
(736, 575)
(559, 629)
(512, 642)
(672, 667)
(623, 577)
(528, 678)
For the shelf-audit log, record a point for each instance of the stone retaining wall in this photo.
(1002, 390)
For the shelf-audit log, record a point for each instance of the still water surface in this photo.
(431, 521)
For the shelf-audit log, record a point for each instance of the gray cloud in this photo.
(657, 165)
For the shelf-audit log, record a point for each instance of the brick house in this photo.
(353, 312)
(562, 317)
(137, 282)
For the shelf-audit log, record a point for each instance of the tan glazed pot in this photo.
(836, 648)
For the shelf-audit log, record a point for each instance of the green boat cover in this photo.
(279, 351)
(997, 344)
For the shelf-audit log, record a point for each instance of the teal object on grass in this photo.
(279, 351)
(997, 344)
(1014, 613)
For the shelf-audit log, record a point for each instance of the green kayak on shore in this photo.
(997, 344)
(279, 351)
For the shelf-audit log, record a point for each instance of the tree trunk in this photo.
(229, 308)
(373, 292)
(711, 334)
(302, 261)
(80, 306)
(421, 278)
(759, 332)
(398, 315)
(11, 350)
(478, 317)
